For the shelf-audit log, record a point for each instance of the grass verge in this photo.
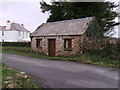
(0, 75)
(87, 58)
(14, 79)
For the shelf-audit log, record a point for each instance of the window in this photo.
(26, 33)
(68, 44)
(23, 34)
(19, 32)
(2, 33)
(38, 43)
(2, 40)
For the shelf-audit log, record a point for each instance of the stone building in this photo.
(63, 38)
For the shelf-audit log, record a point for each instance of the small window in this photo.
(2, 40)
(23, 34)
(19, 32)
(26, 33)
(38, 43)
(68, 43)
(2, 33)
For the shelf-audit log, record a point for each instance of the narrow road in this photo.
(61, 74)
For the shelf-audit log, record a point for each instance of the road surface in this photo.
(62, 74)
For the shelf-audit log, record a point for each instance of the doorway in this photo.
(51, 47)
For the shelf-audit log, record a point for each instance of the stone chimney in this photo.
(8, 24)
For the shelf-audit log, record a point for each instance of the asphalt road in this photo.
(61, 74)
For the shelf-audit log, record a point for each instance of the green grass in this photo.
(88, 58)
(22, 82)
(18, 49)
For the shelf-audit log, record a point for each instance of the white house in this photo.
(14, 32)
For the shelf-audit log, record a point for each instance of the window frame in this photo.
(19, 33)
(38, 43)
(2, 33)
(68, 44)
(27, 34)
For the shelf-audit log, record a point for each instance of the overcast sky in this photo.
(27, 13)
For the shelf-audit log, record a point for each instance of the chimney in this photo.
(22, 25)
(8, 24)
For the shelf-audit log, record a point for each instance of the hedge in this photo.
(17, 44)
(119, 47)
(17, 49)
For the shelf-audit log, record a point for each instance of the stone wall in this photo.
(76, 40)
(44, 48)
(99, 44)
(80, 44)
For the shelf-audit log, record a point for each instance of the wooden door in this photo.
(51, 47)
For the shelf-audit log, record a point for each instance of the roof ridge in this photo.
(14, 27)
(2, 27)
(20, 26)
(69, 20)
(15, 23)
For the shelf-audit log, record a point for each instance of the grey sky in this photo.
(28, 13)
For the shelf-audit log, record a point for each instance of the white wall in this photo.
(10, 36)
(20, 36)
(24, 36)
(15, 36)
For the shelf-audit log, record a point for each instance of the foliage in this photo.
(17, 44)
(17, 49)
(103, 11)
(118, 47)
(94, 30)
(105, 49)
(109, 49)
(92, 57)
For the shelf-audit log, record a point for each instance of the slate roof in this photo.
(14, 26)
(2, 27)
(66, 27)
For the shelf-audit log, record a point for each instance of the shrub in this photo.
(17, 49)
(103, 48)
(118, 47)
